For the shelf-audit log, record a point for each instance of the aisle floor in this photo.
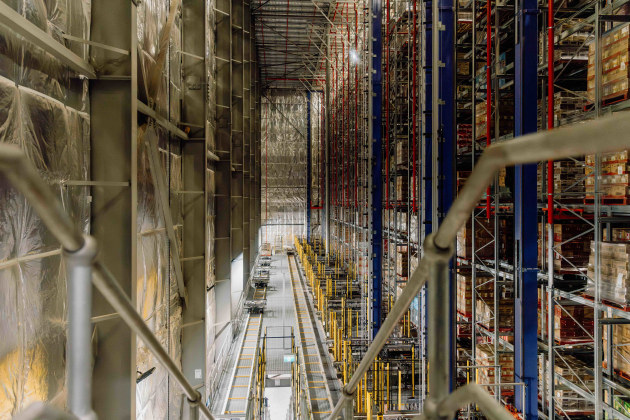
(279, 322)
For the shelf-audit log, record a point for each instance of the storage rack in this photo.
(389, 388)
(561, 360)
(489, 76)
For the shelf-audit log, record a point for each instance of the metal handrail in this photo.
(596, 136)
(24, 176)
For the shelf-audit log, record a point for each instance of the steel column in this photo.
(525, 211)
(377, 162)
(308, 166)
(443, 139)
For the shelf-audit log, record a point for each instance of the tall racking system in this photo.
(549, 252)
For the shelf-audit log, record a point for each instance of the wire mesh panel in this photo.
(279, 343)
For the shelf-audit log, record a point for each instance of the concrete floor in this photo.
(279, 400)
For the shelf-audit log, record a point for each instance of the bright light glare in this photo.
(354, 57)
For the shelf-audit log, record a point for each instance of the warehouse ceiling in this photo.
(290, 35)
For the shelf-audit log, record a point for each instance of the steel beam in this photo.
(194, 163)
(308, 166)
(113, 158)
(525, 211)
(376, 167)
(19, 25)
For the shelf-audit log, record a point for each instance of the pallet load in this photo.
(462, 176)
(573, 247)
(402, 157)
(614, 66)
(613, 183)
(621, 349)
(464, 138)
(402, 260)
(484, 235)
(402, 188)
(569, 402)
(485, 314)
(485, 357)
(613, 278)
(485, 289)
(506, 120)
(573, 322)
(567, 106)
(568, 181)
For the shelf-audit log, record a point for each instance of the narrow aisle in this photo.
(286, 318)
(319, 397)
(242, 376)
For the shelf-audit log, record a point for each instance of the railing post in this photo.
(439, 328)
(193, 409)
(79, 279)
(349, 408)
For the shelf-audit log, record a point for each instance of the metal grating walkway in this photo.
(242, 376)
(319, 397)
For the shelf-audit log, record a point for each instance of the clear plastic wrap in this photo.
(283, 166)
(210, 51)
(30, 66)
(157, 294)
(160, 86)
(32, 277)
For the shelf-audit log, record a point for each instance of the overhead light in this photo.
(354, 57)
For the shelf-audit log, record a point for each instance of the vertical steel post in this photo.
(327, 127)
(439, 328)
(525, 210)
(377, 163)
(426, 162)
(443, 145)
(193, 410)
(308, 166)
(79, 278)
(597, 353)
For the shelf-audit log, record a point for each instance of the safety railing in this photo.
(83, 270)
(229, 345)
(596, 136)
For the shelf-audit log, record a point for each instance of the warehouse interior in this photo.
(314, 209)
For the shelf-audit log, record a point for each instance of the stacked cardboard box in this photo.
(506, 119)
(485, 314)
(620, 234)
(402, 189)
(567, 106)
(614, 64)
(614, 266)
(568, 180)
(462, 176)
(614, 175)
(621, 347)
(484, 232)
(501, 177)
(572, 255)
(464, 138)
(402, 260)
(402, 156)
(573, 370)
(573, 322)
(621, 403)
(485, 289)
(485, 357)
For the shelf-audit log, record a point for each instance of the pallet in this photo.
(625, 308)
(610, 200)
(575, 342)
(615, 98)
